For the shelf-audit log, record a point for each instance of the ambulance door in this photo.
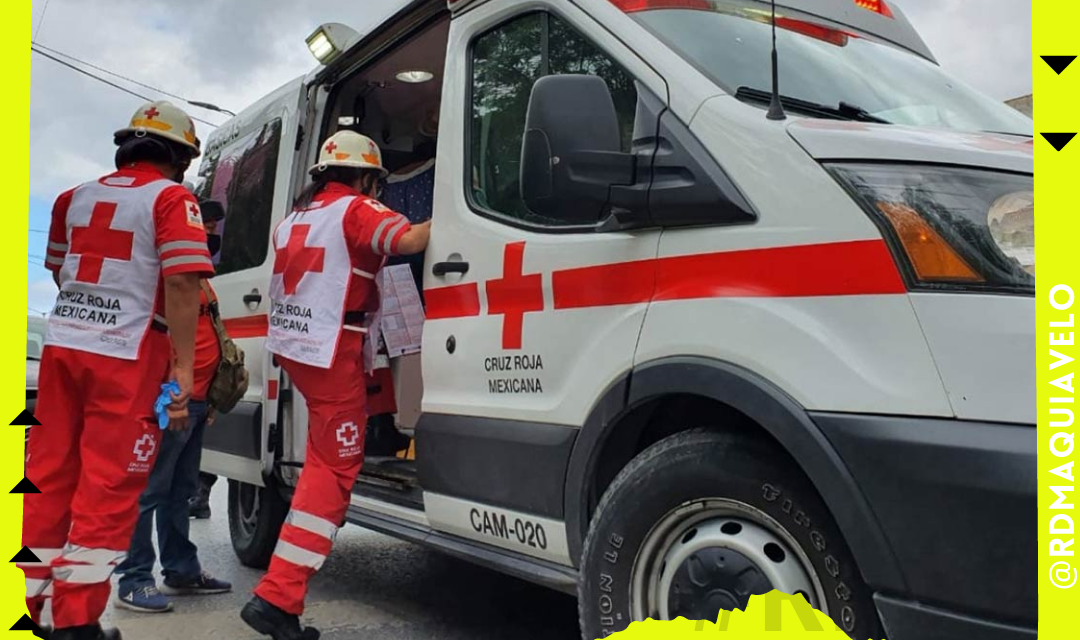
(530, 320)
(249, 167)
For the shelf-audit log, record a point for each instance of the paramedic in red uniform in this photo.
(127, 252)
(328, 252)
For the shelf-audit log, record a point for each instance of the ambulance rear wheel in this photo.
(701, 521)
(255, 518)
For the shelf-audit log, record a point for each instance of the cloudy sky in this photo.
(231, 52)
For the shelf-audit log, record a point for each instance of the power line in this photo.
(39, 231)
(201, 105)
(41, 21)
(34, 49)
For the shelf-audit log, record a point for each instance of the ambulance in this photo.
(686, 337)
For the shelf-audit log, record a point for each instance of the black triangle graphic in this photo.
(1058, 63)
(26, 624)
(25, 419)
(25, 486)
(1058, 140)
(25, 556)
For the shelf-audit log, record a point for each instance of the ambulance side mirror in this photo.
(571, 155)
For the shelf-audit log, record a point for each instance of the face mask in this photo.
(213, 243)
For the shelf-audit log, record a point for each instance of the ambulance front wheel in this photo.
(255, 518)
(701, 521)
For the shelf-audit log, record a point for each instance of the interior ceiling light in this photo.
(415, 77)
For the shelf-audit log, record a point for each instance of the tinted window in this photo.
(506, 62)
(241, 176)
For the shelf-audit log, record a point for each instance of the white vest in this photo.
(307, 297)
(109, 279)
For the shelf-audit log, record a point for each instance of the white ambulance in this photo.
(679, 349)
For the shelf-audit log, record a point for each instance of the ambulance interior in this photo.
(395, 101)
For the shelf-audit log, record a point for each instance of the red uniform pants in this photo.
(91, 458)
(337, 419)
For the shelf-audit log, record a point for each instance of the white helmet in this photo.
(165, 120)
(349, 149)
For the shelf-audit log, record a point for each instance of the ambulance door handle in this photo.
(441, 269)
(253, 299)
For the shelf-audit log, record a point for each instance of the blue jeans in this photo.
(174, 480)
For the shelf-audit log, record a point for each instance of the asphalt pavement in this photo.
(371, 586)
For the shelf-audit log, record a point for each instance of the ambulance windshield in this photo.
(822, 64)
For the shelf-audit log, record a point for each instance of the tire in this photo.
(255, 518)
(674, 533)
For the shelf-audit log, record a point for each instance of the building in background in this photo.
(1022, 104)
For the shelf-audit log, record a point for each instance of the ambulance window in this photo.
(506, 62)
(240, 175)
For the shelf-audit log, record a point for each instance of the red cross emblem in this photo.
(332, 147)
(98, 241)
(514, 295)
(348, 434)
(151, 113)
(295, 259)
(144, 448)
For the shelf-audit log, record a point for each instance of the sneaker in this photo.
(268, 620)
(143, 600)
(202, 585)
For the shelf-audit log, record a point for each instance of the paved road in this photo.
(371, 587)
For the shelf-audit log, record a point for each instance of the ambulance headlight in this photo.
(951, 228)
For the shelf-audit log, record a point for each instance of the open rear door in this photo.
(249, 168)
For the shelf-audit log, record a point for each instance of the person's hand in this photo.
(184, 376)
(211, 415)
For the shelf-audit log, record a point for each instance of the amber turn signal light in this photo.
(930, 255)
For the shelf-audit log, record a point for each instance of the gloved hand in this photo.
(167, 411)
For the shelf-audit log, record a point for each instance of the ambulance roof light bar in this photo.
(330, 40)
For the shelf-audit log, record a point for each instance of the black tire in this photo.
(255, 518)
(699, 465)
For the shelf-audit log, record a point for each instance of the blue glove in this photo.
(163, 401)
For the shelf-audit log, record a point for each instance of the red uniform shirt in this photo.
(181, 245)
(372, 234)
(207, 349)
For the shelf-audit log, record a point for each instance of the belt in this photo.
(158, 324)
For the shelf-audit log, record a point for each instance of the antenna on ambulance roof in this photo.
(776, 109)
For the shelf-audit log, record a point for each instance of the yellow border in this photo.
(13, 242)
(1054, 26)
(1054, 33)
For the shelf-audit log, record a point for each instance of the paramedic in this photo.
(323, 293)
(127, 252)
(175, 478)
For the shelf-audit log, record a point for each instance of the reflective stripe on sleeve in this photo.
(387, 245)
(378, 234)
(54, 261)
(314, 524)
(169, 263)
(349, 327)
(58, 246)
(296, 555)
(180, 245)
(364, 274)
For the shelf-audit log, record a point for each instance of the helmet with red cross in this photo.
(164, 120)
(352, 150)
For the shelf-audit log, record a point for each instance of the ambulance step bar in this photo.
(539, 572)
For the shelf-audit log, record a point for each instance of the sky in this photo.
(232, 52)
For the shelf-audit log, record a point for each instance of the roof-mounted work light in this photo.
(331, 40)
